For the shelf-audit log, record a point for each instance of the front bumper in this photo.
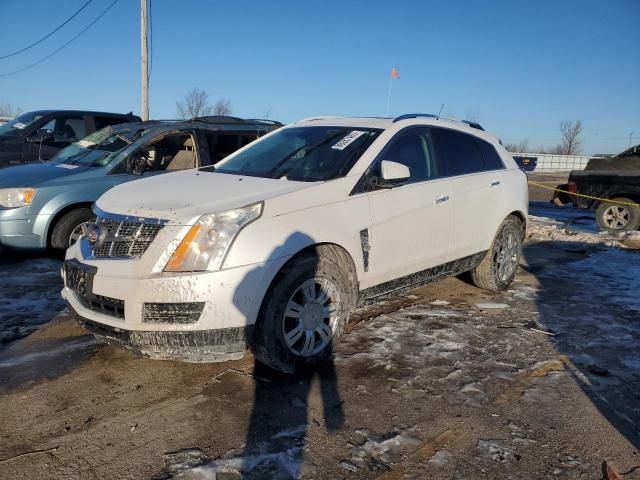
(190, 346)
(117, 303)
(29, 233)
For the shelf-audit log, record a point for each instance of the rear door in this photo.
(476, 187)
(410, 223)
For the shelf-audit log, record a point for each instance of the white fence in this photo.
(548, 162)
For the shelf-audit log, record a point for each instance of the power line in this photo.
(49, 34)
(63, 46)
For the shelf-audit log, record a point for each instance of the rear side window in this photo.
(460, 152)
(223, 144)
(492, 160)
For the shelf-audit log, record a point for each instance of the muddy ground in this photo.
(448, 381)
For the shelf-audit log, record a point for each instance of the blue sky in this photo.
(522, 66)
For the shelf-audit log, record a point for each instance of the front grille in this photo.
(188, 312)
(125, 238)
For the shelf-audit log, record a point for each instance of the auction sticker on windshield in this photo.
(66, 165)
(348, 139)
(19, 125)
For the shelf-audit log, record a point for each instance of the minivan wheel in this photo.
(68, 229)
(617, 217)
(498, 268)
(303, 313)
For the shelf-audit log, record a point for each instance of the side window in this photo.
(66, 129)
(460, 152)
(492, 160)
(409, 149)
(223, 144)
(172, 152)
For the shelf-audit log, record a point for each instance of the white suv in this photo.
(274, 247)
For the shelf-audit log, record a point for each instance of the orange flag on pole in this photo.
(394, 73)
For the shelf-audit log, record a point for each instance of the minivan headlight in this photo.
(205, 245)
(16, 197)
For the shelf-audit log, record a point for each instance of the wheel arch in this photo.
(61, 213)
(327, 249)
(522, 218)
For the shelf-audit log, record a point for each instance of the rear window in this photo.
(460, 151)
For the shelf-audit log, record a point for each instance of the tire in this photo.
(614, 217)
(292, 333)
(498, 268)
(70, 222)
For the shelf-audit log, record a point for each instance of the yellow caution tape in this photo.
(605, 200)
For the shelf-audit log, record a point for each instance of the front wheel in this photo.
(303, 314)
(498, 268)
(618, 217)
(68, 229)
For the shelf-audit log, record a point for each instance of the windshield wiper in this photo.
(297, 150)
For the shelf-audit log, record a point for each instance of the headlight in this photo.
(16, 197)
(206, 243)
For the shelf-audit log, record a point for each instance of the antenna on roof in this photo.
(441, 107)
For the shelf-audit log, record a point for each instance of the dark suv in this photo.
(39, 135)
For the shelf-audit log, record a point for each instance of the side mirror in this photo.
(392, 174)
(41, 136)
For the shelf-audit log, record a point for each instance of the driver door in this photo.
(410, 223)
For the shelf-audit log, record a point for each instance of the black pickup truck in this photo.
(617, 179)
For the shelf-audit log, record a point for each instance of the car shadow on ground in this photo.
(590, 310)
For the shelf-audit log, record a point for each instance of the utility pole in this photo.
(144, 49)
(631, 138)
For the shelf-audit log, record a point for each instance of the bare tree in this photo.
(195, 104)
(570, 142)
(522, 146)
(222, 107)
(8, 110)
(267, 113)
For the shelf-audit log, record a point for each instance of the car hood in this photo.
(181, 197)
(31, 175)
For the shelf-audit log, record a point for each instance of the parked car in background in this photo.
(39, 135)
(617, 179)
(276, 245)
(44, 205)
(526, 163)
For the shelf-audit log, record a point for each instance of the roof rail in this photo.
(219, 119)
(414, 115)
(265, 121)
(472, 124)
(431, 115)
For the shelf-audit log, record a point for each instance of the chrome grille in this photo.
(125, 238)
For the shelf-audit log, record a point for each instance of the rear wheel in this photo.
(499, 266)
(69, 228)
(617, 217)
(304, 313)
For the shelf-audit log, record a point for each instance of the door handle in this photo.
(441, 199)
(495, 183)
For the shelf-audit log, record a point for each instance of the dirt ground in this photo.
(448, 381)
(552, 179)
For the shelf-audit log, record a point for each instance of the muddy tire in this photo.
(613, 217)
(66, 229)
(499, 266)
(305, 311)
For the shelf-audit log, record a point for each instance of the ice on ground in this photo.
(380, 449)
(31, 293)
(492, 306)
(440, 458)
(494, 450)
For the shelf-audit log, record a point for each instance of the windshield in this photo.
(18, 124)
(96, 150)
(307, 154)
